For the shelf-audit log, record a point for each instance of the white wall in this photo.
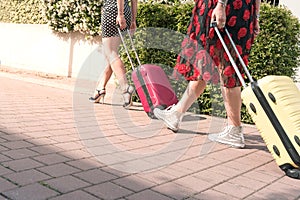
(35, 47)
(292, 5)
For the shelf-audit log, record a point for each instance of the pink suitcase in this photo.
(151, 83)
(153, 88)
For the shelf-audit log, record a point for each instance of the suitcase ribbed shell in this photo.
(284, 98)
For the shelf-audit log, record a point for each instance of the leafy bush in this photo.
(158, 39)
(74, 15)
(277, 48)
(275, 51)
(22, 11)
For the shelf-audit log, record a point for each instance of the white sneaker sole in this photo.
(231, 144)
(170, 126)
(235, 145)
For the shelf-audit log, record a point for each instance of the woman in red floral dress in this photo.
(203, 59)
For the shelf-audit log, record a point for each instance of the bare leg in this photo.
(111, 46)
(192, 92)
(105, 78)
(233, 103)
(172, 117)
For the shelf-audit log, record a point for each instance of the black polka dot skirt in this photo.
(109, 16)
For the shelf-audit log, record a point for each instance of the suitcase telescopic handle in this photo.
(214, 24)
(126, 48)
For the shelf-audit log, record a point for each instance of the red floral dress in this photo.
(202, 56)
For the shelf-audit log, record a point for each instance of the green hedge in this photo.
(22, 11)
(276, 49)
(74, 15)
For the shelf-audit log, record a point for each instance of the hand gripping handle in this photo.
(126, 49)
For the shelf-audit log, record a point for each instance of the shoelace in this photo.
(225, 131)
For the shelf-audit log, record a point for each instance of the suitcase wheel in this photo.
(271, 96)
(151, 115)
(297, 140)
(252, 107)
(293, 173)
(276, 150)
(290, 171)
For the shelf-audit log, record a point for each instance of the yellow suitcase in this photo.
(278, 123)
(274, 105)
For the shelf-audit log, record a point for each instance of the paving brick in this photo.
(149, 195)
(77, 154)
(213, 194)
(55, 133)
(65, 138)
(174, 172)
(195, 184)
(32, 192)
(17, 144)
(248, 182)
(15, 137)
(38, 134)
(188, 166)
(231, 154)
(272, 169)
(4, 158)
(85, 163)
(66, 184)
(77, 195)
(173, 190)
(19, 153)
(235, 190)
(108, 191)
(41, 141)
(239, 166)
(4, 170)
(210, 176)
(22, 164)
(226, 171)
(256, 197)
(95, 176)
(289, 181)
(46, 149)
(2, 148)
(26, 177)
(58, 170)
(51, 159)
(281, 188)
(35, 129)
(260, 176)
(70, 146)
(157, 177)
(268, 194)
(6, 185)
(134, 183)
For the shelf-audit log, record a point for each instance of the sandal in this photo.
(98, 97)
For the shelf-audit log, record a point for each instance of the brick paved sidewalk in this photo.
(56, 145)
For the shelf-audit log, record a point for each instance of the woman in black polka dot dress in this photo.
(110, 15)
(115, 12)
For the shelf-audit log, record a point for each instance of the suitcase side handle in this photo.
(126, 48)
(214, 25)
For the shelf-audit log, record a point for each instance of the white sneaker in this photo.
(232, 135)
(171, 117)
